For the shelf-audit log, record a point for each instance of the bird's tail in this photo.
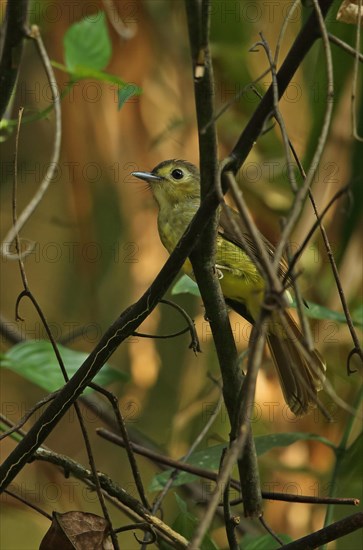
(301, 376)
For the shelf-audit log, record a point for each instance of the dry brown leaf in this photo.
(77, 531)
(349, 12)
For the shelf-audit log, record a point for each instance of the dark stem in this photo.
(14, 34)
(203, 255)
(327, 534)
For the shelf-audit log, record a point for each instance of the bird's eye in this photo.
(177, 174)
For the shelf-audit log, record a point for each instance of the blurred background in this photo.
(96, 246)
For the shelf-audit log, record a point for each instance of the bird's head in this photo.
(172, 181)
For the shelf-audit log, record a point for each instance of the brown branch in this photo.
(125, 436)
(327, 534)
(113, 490)
(209, 474)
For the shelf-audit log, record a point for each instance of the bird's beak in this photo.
(146, 176)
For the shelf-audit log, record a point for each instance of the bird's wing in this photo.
(227, 230)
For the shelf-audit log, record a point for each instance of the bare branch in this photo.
(29, 209)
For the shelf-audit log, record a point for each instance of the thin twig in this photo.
(125, 436)
(175, 473)
(257, 342)
(301, 46)
(270, 531)
(194, 345)
(277, 113)
(318, 223)
(29, 504)
(287, 146)
(227, 105)
(211, 475)
(300, 196)
(338, 42)
(306, 330)
(284, 25)
(28, 414)
(113, 490)
(230, 521)
(29, 209)
(355, 75)
(357, 346)
(261, 258)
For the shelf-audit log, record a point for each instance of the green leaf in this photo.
(357, 315)
(185, 524)
(35, 361)
(87, 43)
(126, 93)
(80, 73)
(316, 311)
(262, 542)
(183, 507)
(209, 458)
(185, 285)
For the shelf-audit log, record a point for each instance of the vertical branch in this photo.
(12, 49)
(256, 351)
(202, 257)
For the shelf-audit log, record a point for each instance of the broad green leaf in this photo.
(35, 361)
(262, 542)
(210, 458)
(87, 43)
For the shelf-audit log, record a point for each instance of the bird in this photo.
(175, 185)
